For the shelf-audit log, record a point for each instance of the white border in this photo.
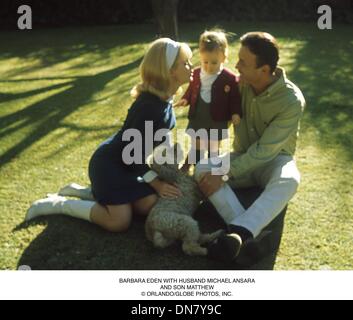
(106, 285)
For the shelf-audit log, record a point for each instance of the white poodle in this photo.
(172, 219)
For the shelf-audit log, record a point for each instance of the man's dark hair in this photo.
(264, 46)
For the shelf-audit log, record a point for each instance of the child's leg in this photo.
(203, 149)
(192, 156)
(214, 148)
(196, 154)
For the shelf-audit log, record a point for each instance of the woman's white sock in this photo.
(75, 190)
(59, 205)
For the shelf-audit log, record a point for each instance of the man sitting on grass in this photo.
(265, 145)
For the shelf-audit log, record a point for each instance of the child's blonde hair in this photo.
(214, 40)
(154, 71)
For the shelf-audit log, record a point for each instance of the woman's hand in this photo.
(181, 103)
(166, 190)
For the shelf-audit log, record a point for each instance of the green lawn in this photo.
(63, 91)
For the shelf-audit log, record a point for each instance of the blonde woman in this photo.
(116, 186)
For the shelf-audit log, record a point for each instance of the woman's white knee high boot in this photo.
(60, 205)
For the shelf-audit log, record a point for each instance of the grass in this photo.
(63, 91)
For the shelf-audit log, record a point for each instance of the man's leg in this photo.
(224, 200)
(228, 245)
(280, 179)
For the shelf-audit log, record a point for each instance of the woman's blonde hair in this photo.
(214, 40)
(154, 72)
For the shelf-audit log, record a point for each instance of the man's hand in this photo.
(210, 184)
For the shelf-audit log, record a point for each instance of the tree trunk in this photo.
(166, 14)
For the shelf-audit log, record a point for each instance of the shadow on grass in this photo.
(69, 244)
(46, 116)
(323, 70)
(54, 46)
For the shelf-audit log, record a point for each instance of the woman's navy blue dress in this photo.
(113, 182)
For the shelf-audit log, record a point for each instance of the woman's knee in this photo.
(144, 206)
(119, 220)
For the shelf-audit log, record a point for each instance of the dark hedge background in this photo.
(54, 13)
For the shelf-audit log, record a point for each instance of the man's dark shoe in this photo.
(225, 248)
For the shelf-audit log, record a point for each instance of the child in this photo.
(213, 96)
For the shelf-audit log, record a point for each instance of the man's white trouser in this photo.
(279, 178)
